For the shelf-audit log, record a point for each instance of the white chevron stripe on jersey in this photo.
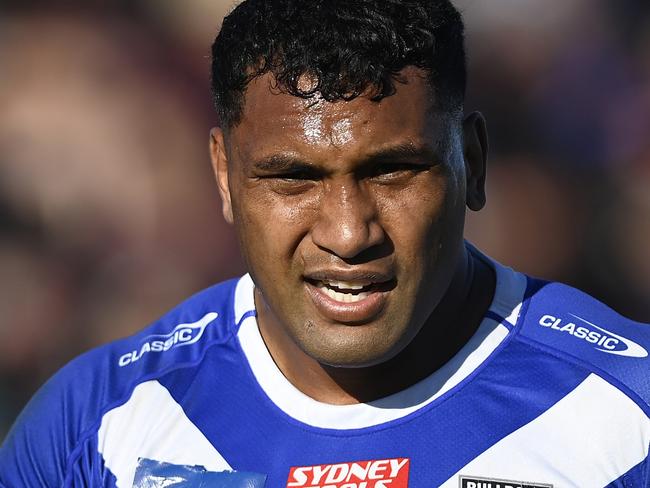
(586, 440)
(130, 431)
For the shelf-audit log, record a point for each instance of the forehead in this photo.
(275, 121)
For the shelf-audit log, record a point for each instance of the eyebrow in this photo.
(282, 163)
(406, 151)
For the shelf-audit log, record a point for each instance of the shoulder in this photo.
(177, 340)
(69, 407)
(581, 330)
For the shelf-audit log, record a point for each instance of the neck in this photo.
(444, 333)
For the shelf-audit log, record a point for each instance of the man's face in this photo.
(349, 215)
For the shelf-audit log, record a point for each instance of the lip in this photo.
(349, 275)
(360, 312)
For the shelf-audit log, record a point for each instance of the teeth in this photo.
(344, 297)
(347, 285)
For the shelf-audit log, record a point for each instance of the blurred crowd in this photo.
(108, 211)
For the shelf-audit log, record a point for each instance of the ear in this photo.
(220, 167)
(475, 150)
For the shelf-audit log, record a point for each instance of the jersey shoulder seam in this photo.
(590, 367)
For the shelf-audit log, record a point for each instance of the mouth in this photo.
(349, 291)
(353, 299)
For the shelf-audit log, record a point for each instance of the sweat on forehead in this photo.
(317, 120)
(277, 123)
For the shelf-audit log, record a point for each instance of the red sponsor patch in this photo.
(380, 473)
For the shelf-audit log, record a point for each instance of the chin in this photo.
(353, 355)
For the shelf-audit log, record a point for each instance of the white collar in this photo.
(508, 295)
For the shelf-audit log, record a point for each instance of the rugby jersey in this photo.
(553, 389)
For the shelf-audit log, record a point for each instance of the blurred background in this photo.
(108, 211)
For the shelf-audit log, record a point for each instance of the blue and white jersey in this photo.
(553, 389)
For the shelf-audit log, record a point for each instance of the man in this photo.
(369, 346)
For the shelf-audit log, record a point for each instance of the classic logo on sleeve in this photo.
(601, 339)
(379, 473)
(181, 335)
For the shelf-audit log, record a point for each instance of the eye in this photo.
(297, 175)
(291, 182)
(396, 171)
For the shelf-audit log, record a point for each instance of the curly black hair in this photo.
(345, 47)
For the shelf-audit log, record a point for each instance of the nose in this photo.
(347, 222)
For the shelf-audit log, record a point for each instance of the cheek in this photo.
(426, 228)
(416, 216)
(275, 223)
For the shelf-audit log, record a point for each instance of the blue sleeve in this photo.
(53, 442)
(37, 447)
(578, 326)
